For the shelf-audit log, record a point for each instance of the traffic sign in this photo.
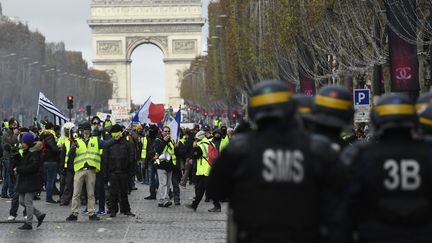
(362, 113)
(361, 97)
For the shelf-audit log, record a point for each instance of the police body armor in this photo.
(280, 173)
(398, 184)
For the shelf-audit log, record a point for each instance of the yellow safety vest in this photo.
(6, 124)
(53, 133)
(67, 144)
(144, 147)
(203, 167)
(217, 123)
(224, 142)
(61, 140)
(108, 124)
(170, 150)
(87, 154)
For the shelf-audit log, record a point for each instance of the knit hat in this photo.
(28, 138)
(116, 128)
(200, 135)
(86, 126)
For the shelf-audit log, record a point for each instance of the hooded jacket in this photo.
(29, 177)
(52, 151)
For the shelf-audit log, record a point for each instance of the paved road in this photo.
(176, 224)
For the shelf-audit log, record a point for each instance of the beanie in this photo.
(28, 138)
(86, 126)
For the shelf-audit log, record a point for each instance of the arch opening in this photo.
(147, 73)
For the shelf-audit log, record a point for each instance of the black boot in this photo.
(25, 226)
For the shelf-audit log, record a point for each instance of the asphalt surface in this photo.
(152, 224)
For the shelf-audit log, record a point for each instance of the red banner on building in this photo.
(403, 55)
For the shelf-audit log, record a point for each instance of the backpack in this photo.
(212, 154)
(44, 150)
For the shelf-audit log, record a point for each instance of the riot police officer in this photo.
(273, 175)
(332, 112)
(304, 105)
(389, 197)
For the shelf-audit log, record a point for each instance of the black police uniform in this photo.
(390, 198)
(390, 195)
(273, 178)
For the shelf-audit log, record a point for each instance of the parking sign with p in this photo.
(361, 97)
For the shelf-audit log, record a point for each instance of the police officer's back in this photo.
(390, 195)
(272, 176)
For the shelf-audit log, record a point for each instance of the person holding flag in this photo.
(165, 163)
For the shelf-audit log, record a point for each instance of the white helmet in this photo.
(67, 125)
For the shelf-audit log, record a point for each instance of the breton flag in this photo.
(150, 113)
(174, 125)
(45, 103)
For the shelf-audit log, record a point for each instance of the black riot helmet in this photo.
(423, 101)
(333, 107)
(393, 111)
(304, 103)
(270, 100)
(425, 119)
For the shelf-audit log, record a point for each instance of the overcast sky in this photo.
(65, 20)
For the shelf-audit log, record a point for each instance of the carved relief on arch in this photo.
(133, 42)
(109, 47)
(184, 46)
(114, 79)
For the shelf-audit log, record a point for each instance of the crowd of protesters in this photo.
(98, 163)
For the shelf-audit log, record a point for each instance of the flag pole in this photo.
(37, 113)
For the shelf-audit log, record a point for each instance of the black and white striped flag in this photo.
(45, 103)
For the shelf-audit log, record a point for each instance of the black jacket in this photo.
(52, 151)
(119, 159)
(278, 160)
(29, 177)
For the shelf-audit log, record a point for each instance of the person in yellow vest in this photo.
(5, 124)
(84, 152)
(67, 172)
(225, 138)
(217, 123)
(164, 147)
(107, 124)
(98, 131)
(200, 154)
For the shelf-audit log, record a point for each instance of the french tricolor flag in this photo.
(150, 113)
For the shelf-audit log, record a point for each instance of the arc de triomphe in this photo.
(119, 26)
